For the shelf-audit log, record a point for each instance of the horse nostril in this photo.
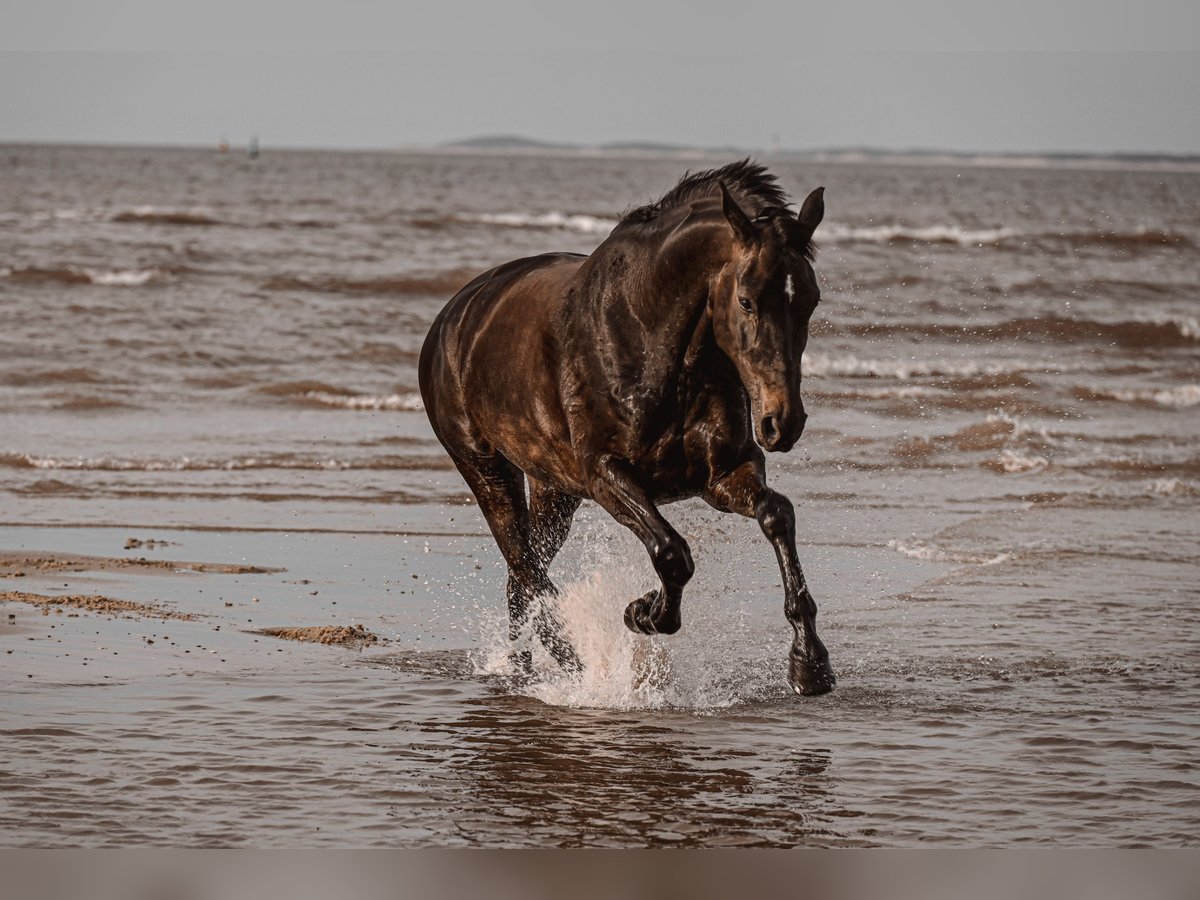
(770, 431)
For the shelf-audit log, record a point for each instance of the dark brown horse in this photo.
(642, 374)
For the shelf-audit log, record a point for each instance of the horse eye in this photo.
(745, 303)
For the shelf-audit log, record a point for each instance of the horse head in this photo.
(761, 304)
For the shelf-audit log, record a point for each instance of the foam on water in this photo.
(932, 553)
(409, 402)
(936, 234)
(1012, 462)
(1172, 487)
(126, 278)
(570, 222)
(851, 366)
(1179, 397)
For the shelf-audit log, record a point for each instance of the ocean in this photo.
(996, 501)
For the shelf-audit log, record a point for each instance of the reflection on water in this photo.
(561, 777)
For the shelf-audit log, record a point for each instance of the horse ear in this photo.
(809, 218)
(742, 226)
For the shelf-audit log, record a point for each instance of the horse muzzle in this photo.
(778, 433)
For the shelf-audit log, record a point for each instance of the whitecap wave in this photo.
(410, 402)
(570, 222)
(849, 366)
(170, 464)
(1013, 462)
(930, 234)
(1172, 487)
(120, 277)
(930, 553)
(1179, 397)
(1019, 428)
(74, 275)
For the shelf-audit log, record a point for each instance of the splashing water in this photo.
(716, 661)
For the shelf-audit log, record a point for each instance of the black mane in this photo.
(755, 189)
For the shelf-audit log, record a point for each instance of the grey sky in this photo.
(365, 74)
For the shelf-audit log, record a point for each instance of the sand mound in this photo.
(342, 635)
(94, 603)
(14, 563)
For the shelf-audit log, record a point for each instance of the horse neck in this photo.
(681, 271)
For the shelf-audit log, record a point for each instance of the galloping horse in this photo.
(651, 371)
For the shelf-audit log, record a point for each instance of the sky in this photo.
(1014, 77)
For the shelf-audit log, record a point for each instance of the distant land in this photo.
(517, 142)
(511, 143)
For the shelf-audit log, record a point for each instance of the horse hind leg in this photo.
(550, 515)
(499, 486)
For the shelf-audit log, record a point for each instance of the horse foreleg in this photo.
(745, 492)
(615, 487)
(499, 486)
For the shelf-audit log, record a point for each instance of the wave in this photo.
(1138, 466)
(53, 376)
(1139, 237)
(55, 487)
(1159, 331)
(1021, 445)
(407, 462)
(931, 553)
(276, 224)
(73, 275)
(1011, 462)
(580, 222)
(151, 215)
(894, 233)
(1173, 487)
(577, 222)
(407, 402)
(999, 431)
(929, 234)
(823, 365)
(435, 284)
(318, 393)
(68, 402)
(1179, 397)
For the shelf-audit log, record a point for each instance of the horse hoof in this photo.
(640, 616)
(637, 619)
(811, 678)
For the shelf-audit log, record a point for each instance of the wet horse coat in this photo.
(656, 369)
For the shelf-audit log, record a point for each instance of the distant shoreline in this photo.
(515, 146)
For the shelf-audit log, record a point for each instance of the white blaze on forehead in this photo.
(787, 286)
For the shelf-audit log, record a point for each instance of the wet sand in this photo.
(140, 731)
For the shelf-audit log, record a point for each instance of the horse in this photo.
(657, 368)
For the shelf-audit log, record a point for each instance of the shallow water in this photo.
(996, 495)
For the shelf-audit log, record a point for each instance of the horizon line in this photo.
(521, 145)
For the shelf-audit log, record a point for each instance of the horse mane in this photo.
(755, 189)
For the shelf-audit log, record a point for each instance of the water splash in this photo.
(719, 659)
